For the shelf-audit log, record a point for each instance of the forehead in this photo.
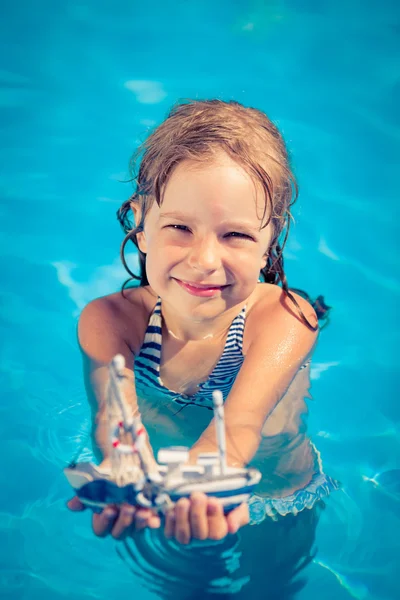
(220, 187)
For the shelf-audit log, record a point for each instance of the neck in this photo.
(181, 339)
(186, 328)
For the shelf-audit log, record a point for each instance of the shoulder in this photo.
(116, 320)
(273, 318)
(276, 344)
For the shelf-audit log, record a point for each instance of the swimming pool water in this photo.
(81, 83)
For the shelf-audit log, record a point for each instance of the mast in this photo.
(218, 401)
(135, 437)
(116, 371)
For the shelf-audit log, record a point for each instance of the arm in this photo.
(278, 344)
(101, 337)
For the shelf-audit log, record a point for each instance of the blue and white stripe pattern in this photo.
(147, 364)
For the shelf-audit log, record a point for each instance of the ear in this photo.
(264, 261)
(141, 236)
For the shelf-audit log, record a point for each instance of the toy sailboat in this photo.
(135, 478)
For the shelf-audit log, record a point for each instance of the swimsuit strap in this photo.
(151, 347)
(236, 330)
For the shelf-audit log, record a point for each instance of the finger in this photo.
(145, 517)
(198, 516)
(103, 523)
(169, 527)
(75, 504)
(154, 522)
(238, 518)
(217, 523)
(124, 521)
(182, 525)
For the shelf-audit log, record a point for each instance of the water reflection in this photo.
(231, 568)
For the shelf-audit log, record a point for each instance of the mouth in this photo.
(201, 289)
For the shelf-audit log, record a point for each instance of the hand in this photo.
(120, 521)
(202, 517)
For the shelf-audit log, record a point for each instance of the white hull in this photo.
(232, 488)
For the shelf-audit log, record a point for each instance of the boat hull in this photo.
(96, 490)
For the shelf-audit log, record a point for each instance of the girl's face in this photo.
(205, 244)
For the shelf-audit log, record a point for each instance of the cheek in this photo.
(160, 259)
(247, 263)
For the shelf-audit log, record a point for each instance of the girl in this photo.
(211, 213)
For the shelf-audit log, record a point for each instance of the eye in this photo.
(178, 227)
(240, 235)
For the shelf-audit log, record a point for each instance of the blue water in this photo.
(80, 84)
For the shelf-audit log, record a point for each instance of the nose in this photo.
(205, 255)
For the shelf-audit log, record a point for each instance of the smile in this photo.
(201, 289)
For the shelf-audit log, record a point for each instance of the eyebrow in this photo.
(174, 214)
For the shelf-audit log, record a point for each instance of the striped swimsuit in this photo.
(147, 364)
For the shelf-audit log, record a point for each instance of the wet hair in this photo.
(197, 131)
